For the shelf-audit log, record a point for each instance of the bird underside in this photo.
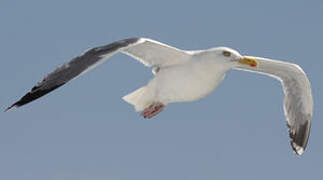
(152, 110)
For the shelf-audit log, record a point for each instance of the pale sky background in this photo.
(84, 130)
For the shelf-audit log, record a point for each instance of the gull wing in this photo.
(154, 53)
(298, 101)
(147, 51)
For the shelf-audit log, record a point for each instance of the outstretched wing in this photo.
(298, 101)
(154, 53)
(147, 51)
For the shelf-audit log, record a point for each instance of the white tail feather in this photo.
(137, 98)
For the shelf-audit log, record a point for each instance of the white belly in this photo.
(179, 83)
(188, 82)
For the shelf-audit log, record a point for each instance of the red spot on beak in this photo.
(253, 65)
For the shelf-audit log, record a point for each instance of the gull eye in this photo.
(226, 53)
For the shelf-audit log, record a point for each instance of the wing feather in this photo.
(154, 53)
(298, 101)
(149, 52)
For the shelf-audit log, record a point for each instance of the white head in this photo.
(230, 56)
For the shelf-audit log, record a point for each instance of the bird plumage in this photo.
(182, 76)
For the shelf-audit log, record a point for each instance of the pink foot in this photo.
(152, 110)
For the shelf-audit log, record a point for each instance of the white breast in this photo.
(189, 82)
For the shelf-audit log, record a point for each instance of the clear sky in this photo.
(84, 130)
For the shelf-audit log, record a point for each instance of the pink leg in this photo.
(152, 110)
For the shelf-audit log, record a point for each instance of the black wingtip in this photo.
(299, 139)
(34, 94)
(10, 107)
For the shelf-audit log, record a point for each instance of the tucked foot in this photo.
(152, 110)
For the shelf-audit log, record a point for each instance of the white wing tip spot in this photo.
(299, 150)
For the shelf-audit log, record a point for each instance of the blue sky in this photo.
(85, 131)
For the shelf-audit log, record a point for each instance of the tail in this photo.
(138, 98)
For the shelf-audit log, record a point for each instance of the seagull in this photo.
(184, 76)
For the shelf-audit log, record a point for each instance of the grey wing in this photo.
(73, 69)
(298, 110)
(147, 51)
(298, 100)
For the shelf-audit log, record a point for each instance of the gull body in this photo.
(182, 76)
(195, 78)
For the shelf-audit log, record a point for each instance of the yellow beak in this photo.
(249, 61)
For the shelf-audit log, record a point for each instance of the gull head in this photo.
(230, 56)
